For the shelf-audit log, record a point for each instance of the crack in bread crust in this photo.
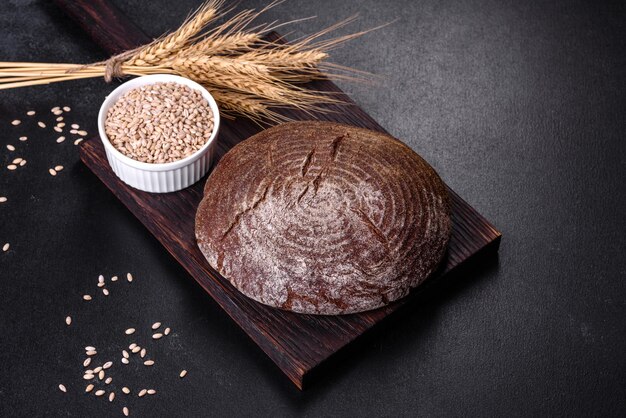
(307, 162)
(238, 215)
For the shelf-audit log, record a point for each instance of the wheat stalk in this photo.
(255, 108)
(246, 73)
(163, 48)
(227, 44)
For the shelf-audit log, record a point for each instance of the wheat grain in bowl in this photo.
(159, 123)
(149, 176)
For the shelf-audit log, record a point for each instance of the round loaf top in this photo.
(323, 218)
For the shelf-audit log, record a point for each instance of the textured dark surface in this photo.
(518, 105)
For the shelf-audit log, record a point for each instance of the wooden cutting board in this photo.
(298, 344)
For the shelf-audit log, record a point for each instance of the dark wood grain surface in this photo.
(298, 344)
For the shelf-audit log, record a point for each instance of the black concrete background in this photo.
(520, 106)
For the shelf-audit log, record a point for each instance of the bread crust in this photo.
(323, 218)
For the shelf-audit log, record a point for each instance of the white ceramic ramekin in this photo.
(167, 177)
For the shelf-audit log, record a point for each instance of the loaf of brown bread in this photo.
(323, 218)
